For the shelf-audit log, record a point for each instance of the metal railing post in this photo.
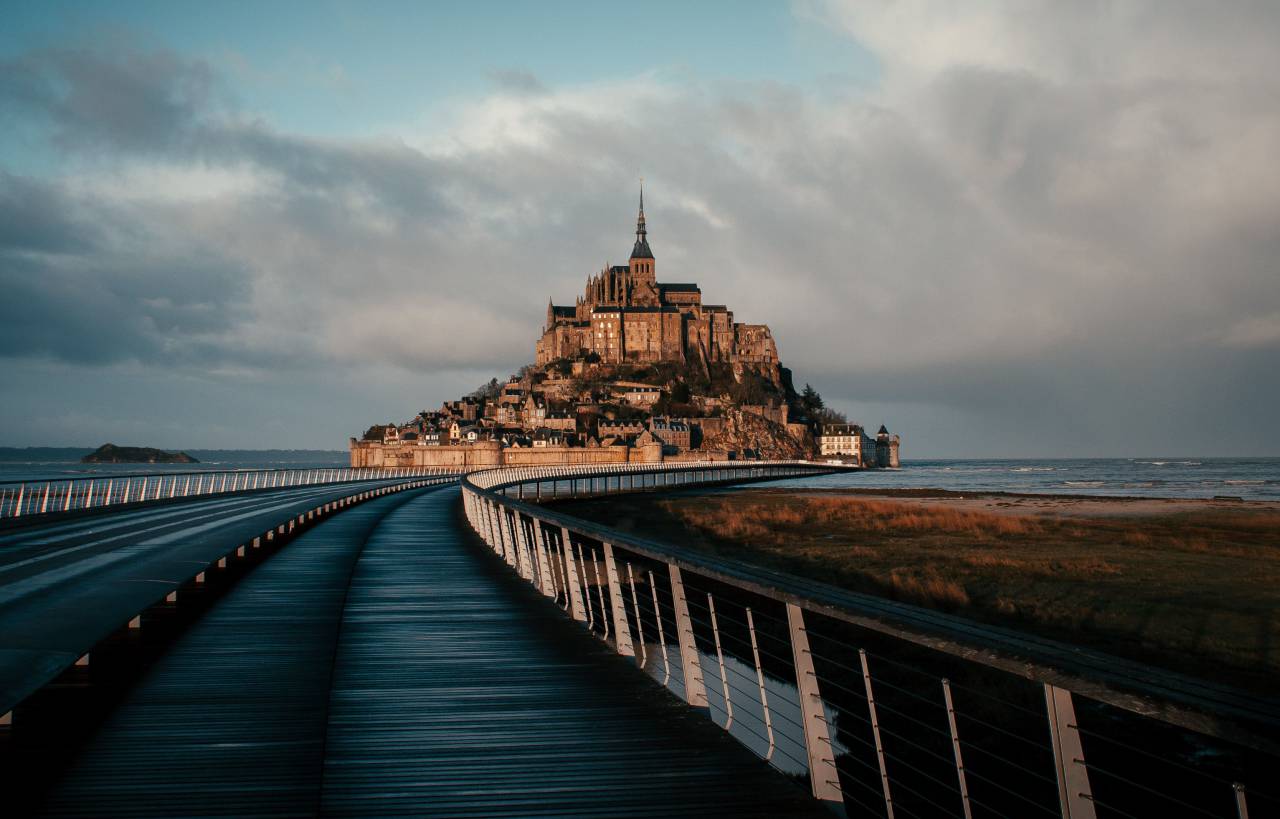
(955, 749)
(724, 680)
(695, 691)
(495, 542)
(823, 777)
(1068, 755)
(875, 732)
(635, 603)
(595, 572)
(586, 592)
(544, 562)
(621, 628)
(572, 581)
(519, 545)
(662, 637)
(526, 551)
(509, 539)
(1242, 807)
(764, 696)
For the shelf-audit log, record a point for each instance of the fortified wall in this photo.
(487, 454)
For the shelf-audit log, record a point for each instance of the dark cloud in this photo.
(518, 82)
(36, 217)
(73, 293)
(134, 100)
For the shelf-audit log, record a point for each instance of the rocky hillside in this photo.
(743, 431)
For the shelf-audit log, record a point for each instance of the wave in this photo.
(1245, 483)
(1034, 469)
(1084, 483)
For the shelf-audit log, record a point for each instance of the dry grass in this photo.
(762, 520)
(1198, 590)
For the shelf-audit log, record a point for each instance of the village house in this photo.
(671, 433)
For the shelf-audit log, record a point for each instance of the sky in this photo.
(1004, 229)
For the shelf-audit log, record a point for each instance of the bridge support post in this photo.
(695, 691)
(621, 628)
(1068, 755)
(823, 777)
(573, 580)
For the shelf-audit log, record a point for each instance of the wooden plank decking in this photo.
(382, 664)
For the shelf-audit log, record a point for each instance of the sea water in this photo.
(1159, 477)
(1168, 477)
(45, 470)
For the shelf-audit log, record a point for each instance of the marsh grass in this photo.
(1198, 591)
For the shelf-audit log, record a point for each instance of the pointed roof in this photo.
(641, 249)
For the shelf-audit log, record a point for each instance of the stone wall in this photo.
(486, 454)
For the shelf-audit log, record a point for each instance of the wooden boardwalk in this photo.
(383, 664)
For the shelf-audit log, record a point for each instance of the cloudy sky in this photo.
(1012, 229)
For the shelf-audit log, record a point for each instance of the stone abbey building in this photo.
(627, 315)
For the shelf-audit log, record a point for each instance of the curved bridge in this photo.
(176, 659)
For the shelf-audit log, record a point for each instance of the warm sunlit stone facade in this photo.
(626, 315)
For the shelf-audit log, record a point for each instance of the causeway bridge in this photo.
(393, 642)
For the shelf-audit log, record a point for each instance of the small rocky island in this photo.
(112, 454)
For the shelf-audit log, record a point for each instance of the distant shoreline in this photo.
(73, 454)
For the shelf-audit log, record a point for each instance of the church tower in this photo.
(641, 266)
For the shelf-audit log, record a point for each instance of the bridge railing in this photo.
(888, 709)
(25, 498)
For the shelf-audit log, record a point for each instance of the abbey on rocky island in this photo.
(636, 370)
(627, 315)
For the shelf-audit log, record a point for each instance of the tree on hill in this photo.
(826, 415)
(752, 389)
(810, 401)
(561, 367)
(487, 392)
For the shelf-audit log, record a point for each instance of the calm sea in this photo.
(1247, 478)
(19, 470)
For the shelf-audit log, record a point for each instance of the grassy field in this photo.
(1189, 585)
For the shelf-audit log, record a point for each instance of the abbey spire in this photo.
(641, 250)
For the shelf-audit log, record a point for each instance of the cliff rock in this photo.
(745, 431)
